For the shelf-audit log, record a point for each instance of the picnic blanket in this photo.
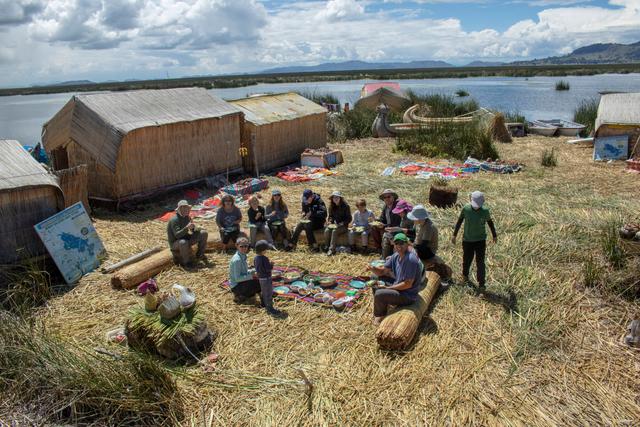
(246, 186)
(497, 166)
(304, 173)
(342, 286)
(442, 169)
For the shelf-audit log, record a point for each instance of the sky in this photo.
(46, 41)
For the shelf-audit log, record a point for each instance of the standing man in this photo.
(408, 279)
(182, 233)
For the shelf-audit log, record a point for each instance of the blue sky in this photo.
(58, 40)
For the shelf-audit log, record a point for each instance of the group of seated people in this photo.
(404, 234)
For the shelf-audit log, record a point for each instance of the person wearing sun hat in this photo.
(474, 238)
(408, 272)
(401, 209)
(338, 221)
(426, 242)
(387, 217)
(182, 233)
(314, 215)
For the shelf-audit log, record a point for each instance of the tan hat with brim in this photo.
(388, 191)
(182, 203)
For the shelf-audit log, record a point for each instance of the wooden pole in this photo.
(130, 260)
(398, 329)
(254, 153)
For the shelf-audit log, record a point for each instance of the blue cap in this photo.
(307, 193)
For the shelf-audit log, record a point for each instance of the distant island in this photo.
(588, 60)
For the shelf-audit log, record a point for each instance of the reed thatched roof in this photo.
(99, 122)
(18, 170)
(265, 109)
(619, 108)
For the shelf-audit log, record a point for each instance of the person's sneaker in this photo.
(273, 311)
(330, 252)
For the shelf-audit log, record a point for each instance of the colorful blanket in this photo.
(494, 166)
(342, 288)
(304, 173)
(246, 186)
(442, 169)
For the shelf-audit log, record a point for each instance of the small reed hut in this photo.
(28, 195)
(283, 125)
(619, 114)
(137, 143)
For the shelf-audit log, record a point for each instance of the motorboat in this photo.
(538, 127)
(565, 127)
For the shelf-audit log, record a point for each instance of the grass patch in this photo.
(449, 141)
(591, 273)
(70, 384)
(441, 105)
(549, 158)
(586, 114)
(356, 124)
(562, 85)
(462, 93)
(610, 243)
(319, 97)
(25, 286)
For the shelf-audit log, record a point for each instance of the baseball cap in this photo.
(307, 193)
(402, 206)
(400, 237)
(182, 203)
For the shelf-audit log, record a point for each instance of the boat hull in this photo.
(396, 101)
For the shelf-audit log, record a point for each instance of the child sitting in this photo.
(257, 221)
(263, 270)
(361, 219)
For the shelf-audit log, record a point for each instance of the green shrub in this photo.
(462, 93)
(562, 85)
(549, 158)
(74, 385)
(591, 273)
(610, 243)
(586, 114)
(441, 105)
(319, 98)
(450, 141)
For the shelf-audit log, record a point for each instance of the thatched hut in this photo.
(140, 142)
(619, 114)
(283, 125)
(28, 195)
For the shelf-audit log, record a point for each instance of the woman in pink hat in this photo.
(402, 208)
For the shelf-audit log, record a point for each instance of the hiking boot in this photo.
(273, 312)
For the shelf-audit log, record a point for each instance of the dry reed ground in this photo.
(538, 351)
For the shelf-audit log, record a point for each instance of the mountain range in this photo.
(600, 53)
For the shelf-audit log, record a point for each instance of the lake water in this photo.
(21, 117)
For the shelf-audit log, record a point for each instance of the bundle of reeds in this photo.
(182, 336)
(498, 129)
(134, 274)
(398, 329)
(74, 183)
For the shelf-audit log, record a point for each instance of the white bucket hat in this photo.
(418, 212)
(477, 199)
(182, 203)
(336, 193)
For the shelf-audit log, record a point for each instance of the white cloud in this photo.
(115, 39)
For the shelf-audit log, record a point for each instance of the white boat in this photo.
(565, 127)
(537, 127)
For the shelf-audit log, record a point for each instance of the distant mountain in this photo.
(599, 53)
(484, 64)
(357, 65)
(74, 83)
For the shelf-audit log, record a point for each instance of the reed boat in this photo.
(388, 93)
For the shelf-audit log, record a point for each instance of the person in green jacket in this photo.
(182, 233)
(474, 238)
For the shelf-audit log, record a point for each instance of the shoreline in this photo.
(245, 80)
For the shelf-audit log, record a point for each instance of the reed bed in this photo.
(539, 349)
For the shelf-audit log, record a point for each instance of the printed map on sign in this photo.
(72, 242)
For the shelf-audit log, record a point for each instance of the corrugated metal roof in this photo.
(265, 109)
(98, 122)
(619, 108)
(137, 109)
(19, 170)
